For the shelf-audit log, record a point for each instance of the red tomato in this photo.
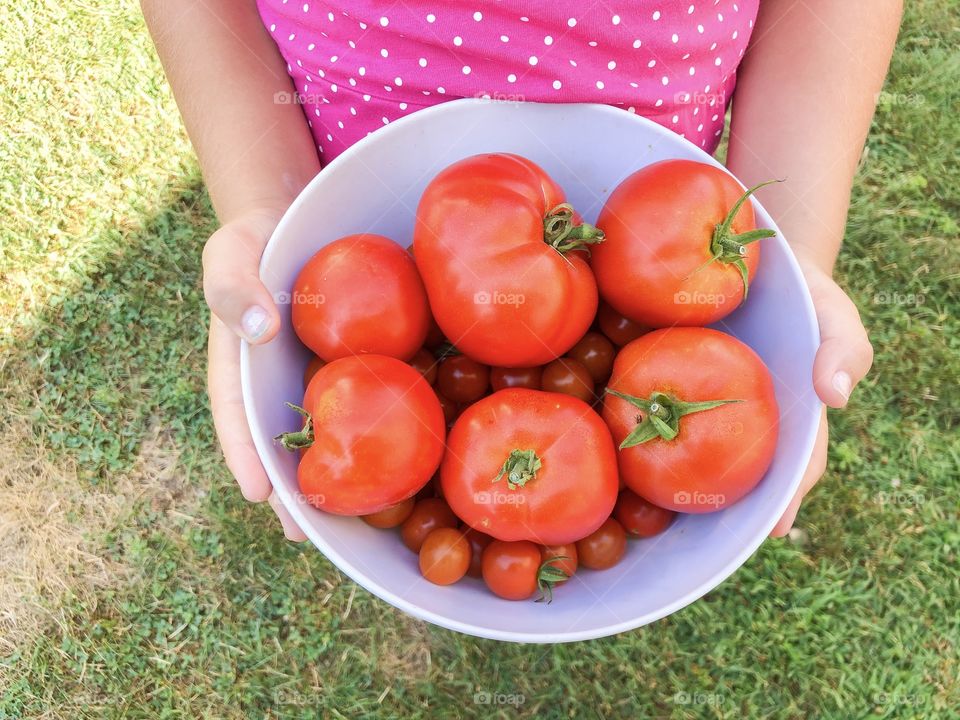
(444, 556)
(449, 408)
(529, 378)
(694, 413)
(510, 568)
(426, 364)
(498, 251)
(360, 294)
(374, 435)
(312, 367)
(478, 543)
(595, 353)
(562, 557)
(530, 465)
(570, 377)
(680, 246)
(462, 379)
(639, 517)
(391, 516)
(428, 515)
(604, 547)
(618, 329)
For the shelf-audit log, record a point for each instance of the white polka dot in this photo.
(693, 70)
(674, 38)
(700, 127)
(383, 52)
(363, 26)
(548, 40)
(458, 41)
(385, 121)
(690, 10)
(631, 109)
(706, 88)
(366, 98)
(388, 88)
(299, 63)
(736, 33)
(352, 44)
(273, 27)
(292, 36)
(441, 90)
(557, 85)
(321, 73)
(316, 111)
(700, 29)
(306, 7)
(713, 47)
(658, 103)
(384, 22)
(533, 60)
(466, 69)
(573, 62)
(696, 110)
(675, 119)
(422, 62)
(652, 63)
(592, 43)
(736, 8)
(333, 87)
(717, 62)
(353, 82)
(634, 85)
(599, 84)
(329, 137)
(353, 111)
(504, 38)
(611, 65)
(361, 71)
(637, 44)
(431, 18)
(720, 17)
(403, 106)
(524, 18)
(478, 16)
(686, 56)
(340, 124)
(511, 78)
(714, 118)
(398, 81)
(334, 58)
(664, 80)
(330, 17)
(572, 22)
(656, 14)
(615, 19)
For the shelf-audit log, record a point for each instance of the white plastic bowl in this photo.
(374, 187)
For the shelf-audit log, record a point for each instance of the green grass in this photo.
(103, 332)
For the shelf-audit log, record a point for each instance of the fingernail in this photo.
(254, 323)
(842, 384)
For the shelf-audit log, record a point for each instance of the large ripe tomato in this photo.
(530, 465)
(360, 294)
(499, 252)
(373, 437)
(680, 245)
(694, 413)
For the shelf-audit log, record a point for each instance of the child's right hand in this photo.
(242, 307)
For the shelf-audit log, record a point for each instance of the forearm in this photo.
(224, 69)
(806, 93)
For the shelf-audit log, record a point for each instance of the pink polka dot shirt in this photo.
(357, 65)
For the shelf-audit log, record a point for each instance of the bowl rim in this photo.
(355, 573)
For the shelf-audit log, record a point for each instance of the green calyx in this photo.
(520, 467)
(549, 577)
(730, 248)
(561, 234)
(301, 438)
(661, 415)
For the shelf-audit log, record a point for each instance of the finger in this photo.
(226, 403)
(814, 471)
(231, 279)
(291, 530)
(845, 354)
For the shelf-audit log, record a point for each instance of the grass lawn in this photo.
(136, 582)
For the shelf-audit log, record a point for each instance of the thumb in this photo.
(845, 354)
(231, 278)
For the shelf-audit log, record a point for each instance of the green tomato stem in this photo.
(299, 439)
(520, 467)
(560, 233)
(661, 415)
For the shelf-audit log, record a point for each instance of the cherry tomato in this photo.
(570, 377)
(564, 558)
(462, 379)
(392, 516)
(501, 377)
(449, 407)
(428, 515)
(444, 556)
(478, 543)
(639, 517)
(681, 245)
(510, 568)
(595, 352)
(604, 547)
(717, 418)
(360, 294)
(315, 364)
(435, 336)
(425, 364)
(618, 329)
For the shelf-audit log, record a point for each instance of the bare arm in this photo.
(256, 156)
(805, 96)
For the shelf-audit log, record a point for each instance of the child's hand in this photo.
(242, 307)
(844, 357)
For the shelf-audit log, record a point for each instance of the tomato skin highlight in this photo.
(573, 492)
(444, 556)
(510, 568)
(357, 295)
(639, 517)
(719, 455)
(603, 548)
(378, 435)
(654, 266)
(501, 378)
(502, 294)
